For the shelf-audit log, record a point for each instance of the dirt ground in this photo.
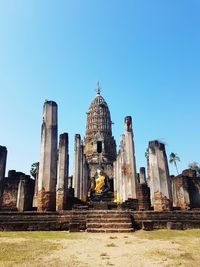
(119, 250)
(124, 250)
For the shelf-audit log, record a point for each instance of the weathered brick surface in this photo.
(143, 196)
(186, 190)
(174, 226)
(47, 221)
(109, 221)
(180, 188)
(60, 200)
(46, 201)
(10, 191)
(161, 202)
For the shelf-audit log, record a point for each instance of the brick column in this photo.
(48, 159)
(62, 175)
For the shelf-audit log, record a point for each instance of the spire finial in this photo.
(98, 89)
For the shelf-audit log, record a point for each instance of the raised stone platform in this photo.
(97, 220)
(109, 221)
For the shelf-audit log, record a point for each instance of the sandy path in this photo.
(115, 250)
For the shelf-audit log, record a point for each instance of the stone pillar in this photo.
(119, 174)
(77, 165)
(62, 174)
(160, 186)
(125, 166)
(142, 176)
(130, 159)
(122, 179)
(115, 181)
(81, 170)
(36, 186)
(85, 179)
(3, 158)
(21, 198)
(48, 159)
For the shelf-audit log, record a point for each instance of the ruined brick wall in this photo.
(10, 191)
(143, 196)
(194, 191)
(161, 202)
(9, 198)
(186, 190)
(181, 198)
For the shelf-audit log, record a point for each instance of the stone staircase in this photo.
(109, 221)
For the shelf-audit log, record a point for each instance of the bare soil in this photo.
(145, 249)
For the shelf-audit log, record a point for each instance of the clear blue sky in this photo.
(146, 55)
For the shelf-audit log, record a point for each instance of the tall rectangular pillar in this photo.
(160, 186)
(77, 165)
(143, 179)
(48, 159)
(35, 175)
(125, 166)
(3, 158)
(84, 179)
(21, 198)
(130, 159)
(62, 174)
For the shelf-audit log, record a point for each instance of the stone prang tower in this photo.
(99, 144)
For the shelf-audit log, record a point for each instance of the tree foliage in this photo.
(34, 169)
(173, 158)
(194, 166)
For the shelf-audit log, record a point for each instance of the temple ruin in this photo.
(107, 191)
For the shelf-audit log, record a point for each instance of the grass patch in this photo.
(25, 251)
(105, 256)
(111, 245)
(168, 234)
(113, 237)
(109, 264)
(44, 235)
(173, 248)
(158, 253)
(128, 242)
(26, 247)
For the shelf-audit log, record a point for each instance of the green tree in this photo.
(146, 154)
(194, 166)
(34, 169)
(173, 158)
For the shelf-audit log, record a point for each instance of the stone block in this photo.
(147, 225)
(74, 227)
(174, 226)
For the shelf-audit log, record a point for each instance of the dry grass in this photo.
(111, 245)
(139, 249)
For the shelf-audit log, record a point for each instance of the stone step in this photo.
(103, 216)
(108, 220)
(109, 225)
(32, 219)
(35, 226)
(107, 211)
(113, 230)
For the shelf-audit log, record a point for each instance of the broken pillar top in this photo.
(77, 136)
(15, 174)
(50, 102)
(156, 144)
(3, 148)
(64, 136)
(189, 173)
(128, 123)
